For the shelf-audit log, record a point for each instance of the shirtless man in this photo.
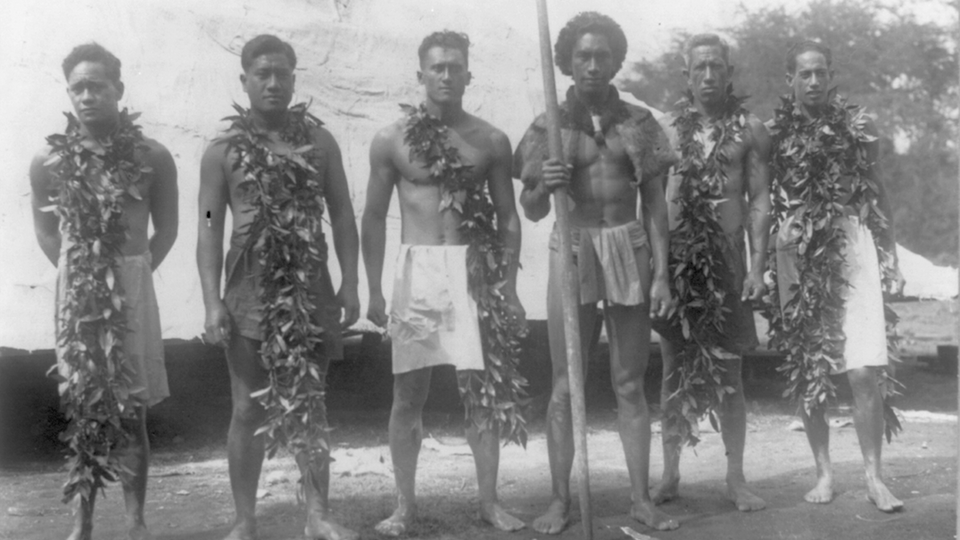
(612, 246)
(431, 269)
(809, 75)
(233, 320)
(94, 88)
(747, 205)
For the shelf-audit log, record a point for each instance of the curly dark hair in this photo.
(92, 52)
(805, 46)
(448, 39)
(594, 23)
(266, 44)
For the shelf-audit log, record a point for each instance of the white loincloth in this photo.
(863, 321)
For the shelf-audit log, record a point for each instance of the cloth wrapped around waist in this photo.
(614, 249)
(433, 318)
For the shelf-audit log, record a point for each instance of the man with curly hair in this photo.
(614, 154)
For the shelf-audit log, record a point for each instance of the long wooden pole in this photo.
(569, 289)
(957, 499)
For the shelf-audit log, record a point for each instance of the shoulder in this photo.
(155, 151)
(756, 129)
(324, 139)
(40, 166)
(389, 135)
(490, 133)
(219, 147)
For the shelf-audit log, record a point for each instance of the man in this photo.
(612, 151)
(95, 89)
(237, 319)
(434, 319)
(858, 238)
(744, 204)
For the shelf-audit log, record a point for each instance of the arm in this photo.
(383, 176)
(46, 224)
(164, 203)
(655, 222)
(508, 222)
(212, 207)
(535, 198)
(344, 225)
(888, 239)
(758, 222)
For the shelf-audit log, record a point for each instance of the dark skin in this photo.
(95, 97)
(444, 76)
(810, 83)
(598, 181)
(269, 84)
(747, 205)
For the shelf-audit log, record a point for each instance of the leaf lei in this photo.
(494, 398)
(93, 178)
(811, 157)
(285, 191)
(696, 252)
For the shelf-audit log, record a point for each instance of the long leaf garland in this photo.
(697, 246)
(93, 178)
(494, 398)
(811, 158)
(284, 189)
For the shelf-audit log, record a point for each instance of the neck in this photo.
(812, 111)
(448, 113)
(593, 99)
(98, 130)
(268, 121)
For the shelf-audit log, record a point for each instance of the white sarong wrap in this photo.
(433, 318)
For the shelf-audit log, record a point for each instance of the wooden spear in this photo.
(570, 286)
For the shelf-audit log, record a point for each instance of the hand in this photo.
(217, 325)
(753, 287)
(899, 282)
(555, 174)
(515, 309)
(350, 302)
(662, 304)
(377, 310)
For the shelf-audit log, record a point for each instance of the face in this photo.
(708, 74)
(811, 81)
(444, 75)
(269, 83)
(94, 95)
(592, 64)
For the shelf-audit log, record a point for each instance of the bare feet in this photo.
(495, 515)
(668, 490)
(878, 494)
(645, 512)
(243, 530)
(398, 523)
(80, 533)
(822, 493)
(319, 527)
(742, 496)
(140, 532)
(554, 520)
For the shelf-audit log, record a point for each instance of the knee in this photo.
(247, 411)
(406, 401)
(628, 389)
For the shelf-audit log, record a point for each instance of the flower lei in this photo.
(811, 157)
(494, 398)
(94, 176)
(696, 252)
(285, 191)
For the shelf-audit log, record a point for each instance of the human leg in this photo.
(669, 487)
(628, 329)
(406, 433)
(244, 449)
(83, 517)
(486, 457)
(818, 435)
(733, 423)
(868, 421)
(136, 459)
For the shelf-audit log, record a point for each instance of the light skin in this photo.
(747, 205)
(598, 180)
(444, 77)
(95, 98)
(269, 84)
(810, 83)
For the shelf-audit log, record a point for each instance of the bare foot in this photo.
(80, 533)
(554, 520)
(822, 493)
(495, 515)
(645, 512)
(668, 490)
(878, 494)
(397, 524)
(742, 496)
(243, 530)
(319, 527)
(140, 532)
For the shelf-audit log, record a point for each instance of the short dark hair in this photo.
(92, 52)
(266, 44)
(804, 46)
(448, 39)
(589, 22)
(706, 40)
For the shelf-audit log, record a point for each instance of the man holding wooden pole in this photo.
(612, 151)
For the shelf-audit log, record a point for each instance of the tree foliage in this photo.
(902, 70)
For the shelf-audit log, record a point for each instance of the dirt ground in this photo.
(189, 495)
